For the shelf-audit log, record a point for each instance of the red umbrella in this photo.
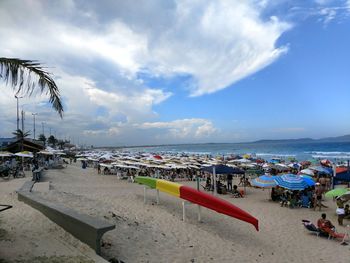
(157, 157)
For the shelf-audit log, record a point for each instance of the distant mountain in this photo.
(344, 138)
(301, 140)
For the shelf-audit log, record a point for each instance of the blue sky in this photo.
(180, 72)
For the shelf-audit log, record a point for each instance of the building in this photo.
(4, 142)
(25, 145)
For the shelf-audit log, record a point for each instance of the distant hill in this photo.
(344, 138)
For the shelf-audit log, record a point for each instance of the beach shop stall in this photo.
(342, 175)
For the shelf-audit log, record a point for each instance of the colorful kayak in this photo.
(198, 197)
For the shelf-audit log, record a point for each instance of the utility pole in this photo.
(22, 112)
(17, 111)
(34, 114)
(43, 127)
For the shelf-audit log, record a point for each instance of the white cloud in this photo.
(97, 52)
(134, 106)
(185, 128)
(217, 43)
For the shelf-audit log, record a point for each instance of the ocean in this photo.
(298, 150)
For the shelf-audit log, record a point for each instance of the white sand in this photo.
(156, 233)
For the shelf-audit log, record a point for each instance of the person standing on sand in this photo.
(340, 211)
(229, 182)
(318, 196)
(98, 168)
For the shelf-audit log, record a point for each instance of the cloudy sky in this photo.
(176, 71)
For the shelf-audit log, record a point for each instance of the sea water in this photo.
(298, 150)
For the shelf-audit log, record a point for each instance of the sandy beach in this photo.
(156, 233)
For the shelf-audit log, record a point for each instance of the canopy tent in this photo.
(342, 175)
(221, 169)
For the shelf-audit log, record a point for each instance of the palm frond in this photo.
(19, 73)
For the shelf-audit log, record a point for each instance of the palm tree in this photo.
(20, 135)
(42, 138)
(20, 72)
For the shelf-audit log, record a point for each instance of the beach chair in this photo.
(317, 231)
(305, 201)
(311, 227)
(5, 207)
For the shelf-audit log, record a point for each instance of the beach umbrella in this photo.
(5, 154)
(25, 154)
(306, 176)
(157, 157)
(308, 180)
(45, 152)
(321, 169)
(307, 172)
(336, 192)
(291, 182)
(346, 196)
(264, 181)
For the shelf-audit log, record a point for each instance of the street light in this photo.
(17, 111)
(34, 114)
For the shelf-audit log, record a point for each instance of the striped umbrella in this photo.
(308, 180)
(291, 182)
(264, 181)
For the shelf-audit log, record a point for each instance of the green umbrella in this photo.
(336, 192)
(346, 196)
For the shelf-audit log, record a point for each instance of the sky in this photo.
(174, 71)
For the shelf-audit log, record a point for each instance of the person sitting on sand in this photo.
(235, 192)
(284, 198)
(274, 194)
(347, 212)
(326, 226)
(208, 183)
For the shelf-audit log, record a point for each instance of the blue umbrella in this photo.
(321, 169)
(291, 182)
(264, 181)
(308, 180)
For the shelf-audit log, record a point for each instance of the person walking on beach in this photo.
(229, 182)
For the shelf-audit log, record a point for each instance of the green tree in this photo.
(25, 75)
(20, 135)
(52, 140)
(61, 144)
(42, 138)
